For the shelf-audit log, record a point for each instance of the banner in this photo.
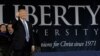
(60, 24)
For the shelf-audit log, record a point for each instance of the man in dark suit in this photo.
(10, 31)
(23, 38)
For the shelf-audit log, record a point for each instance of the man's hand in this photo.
(33, 48)
(17, 14)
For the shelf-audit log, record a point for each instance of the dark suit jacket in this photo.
(19, 35)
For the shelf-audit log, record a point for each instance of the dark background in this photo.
(84, 20)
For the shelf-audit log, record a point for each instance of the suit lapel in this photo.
(21, 23)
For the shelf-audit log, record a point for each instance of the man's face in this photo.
(10, 29)
(23, 14)
(3, 28)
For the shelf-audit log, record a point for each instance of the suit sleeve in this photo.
(32, 34)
